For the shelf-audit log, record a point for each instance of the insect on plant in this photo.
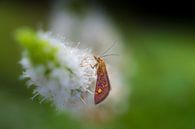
(102, 87)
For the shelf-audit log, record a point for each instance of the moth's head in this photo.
(98, 59)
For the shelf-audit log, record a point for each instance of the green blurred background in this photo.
(163, 84)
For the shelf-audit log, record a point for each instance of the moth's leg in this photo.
(83, 97)
(90, 92)
(95, 66)
(82, 100)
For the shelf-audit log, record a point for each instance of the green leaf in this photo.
(39, 50)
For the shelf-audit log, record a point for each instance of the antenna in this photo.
(112, 54)
(103, 54)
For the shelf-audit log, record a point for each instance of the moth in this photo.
(102, 87)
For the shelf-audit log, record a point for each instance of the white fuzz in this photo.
(69, 84)
(96, 30)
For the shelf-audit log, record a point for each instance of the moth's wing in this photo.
(102, 88)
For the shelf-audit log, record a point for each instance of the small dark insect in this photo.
(102, 88)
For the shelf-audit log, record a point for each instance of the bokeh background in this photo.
(158, 38)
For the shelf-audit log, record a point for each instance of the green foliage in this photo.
(39, 50)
